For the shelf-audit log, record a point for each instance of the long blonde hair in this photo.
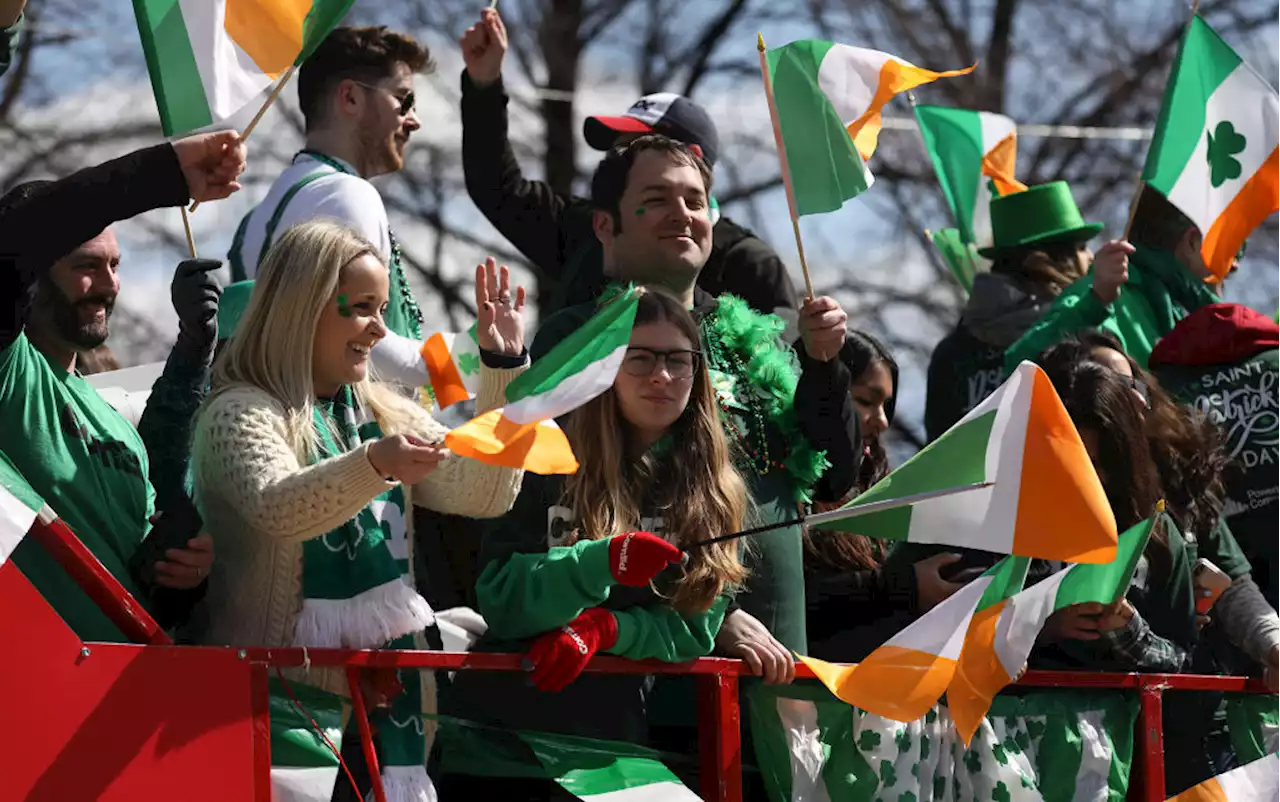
(273, 344)
(693, 485)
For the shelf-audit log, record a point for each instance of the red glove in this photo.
(635, 558)
(559, 656)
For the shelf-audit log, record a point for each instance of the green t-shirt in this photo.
(88, 464)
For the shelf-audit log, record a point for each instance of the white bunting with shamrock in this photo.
(1070, 746)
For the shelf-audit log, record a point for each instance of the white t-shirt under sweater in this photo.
(343, 197)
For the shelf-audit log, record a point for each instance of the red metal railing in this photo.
(719, 716)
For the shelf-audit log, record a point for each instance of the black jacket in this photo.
(553, 230)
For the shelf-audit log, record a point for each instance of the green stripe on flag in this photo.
(608, 330)
(1007, 578)
(958, 255)
(955, 459)
(11, 479)
(1107, 582)
(953, 138)
(826, 169)
(175, 77)
(1203, 62)
(323, 17)
(294, 741)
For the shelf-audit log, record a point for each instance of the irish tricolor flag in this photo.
(1000, 636)
(1044, 499)
(970, 151)
(1214, 152)
(20, 506)
(210, 59)
(1252, 782)
(903, 679)
(444, 363)
(523, 433)
(828, 99)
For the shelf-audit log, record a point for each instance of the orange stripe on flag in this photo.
(446, 381)
(1063, 512)
(1257, 199)
(979, 673)
(895, 78)
(893, 682)
(999, 165)
(268, 31)
(492, 439)
(1208, 791)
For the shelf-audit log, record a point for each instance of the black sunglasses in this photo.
(406, 103)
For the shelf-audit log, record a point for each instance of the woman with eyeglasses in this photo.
(592, 563)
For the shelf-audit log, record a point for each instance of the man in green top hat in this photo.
(1138, 305)
(1040, 248)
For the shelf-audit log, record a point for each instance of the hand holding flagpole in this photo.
(782, 159)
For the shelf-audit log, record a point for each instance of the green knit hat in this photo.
(1040, 215)
(235, 299)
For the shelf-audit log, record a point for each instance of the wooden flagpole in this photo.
(191, 240)
(271, 98)
(782, 160)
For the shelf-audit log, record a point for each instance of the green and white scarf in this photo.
(357, 594)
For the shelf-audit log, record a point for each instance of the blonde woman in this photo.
(566, 575)
(305, 469)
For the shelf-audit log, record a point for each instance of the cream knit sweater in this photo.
(260, 505)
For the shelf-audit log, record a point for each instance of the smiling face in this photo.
(872, 394)
(76, 300)
(663, 233)
(350, 324)
(655, 399)
(384, 131)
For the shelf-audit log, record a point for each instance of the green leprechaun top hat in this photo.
(1039, 215)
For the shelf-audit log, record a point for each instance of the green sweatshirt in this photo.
(1159, 293)
(530, 585)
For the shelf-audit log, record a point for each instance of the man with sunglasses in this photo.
(357, 99)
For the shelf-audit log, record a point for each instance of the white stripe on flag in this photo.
(799, 718)
(1094, 772)
(16, 519)
(1022, 620)
(654, 792)
(1257, 780)
(570, 393)
(230, 78)
(942, 632)
(303, 785)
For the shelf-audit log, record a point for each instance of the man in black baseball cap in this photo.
(553, 229)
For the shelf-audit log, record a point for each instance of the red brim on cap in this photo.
(600, 132)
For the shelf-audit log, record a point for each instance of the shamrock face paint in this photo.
(639, 211)
(344, 305)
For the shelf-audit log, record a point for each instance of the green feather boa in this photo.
(772, 368)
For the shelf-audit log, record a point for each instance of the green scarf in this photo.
(1170, 289)
(357, 594)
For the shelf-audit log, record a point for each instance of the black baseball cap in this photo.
(663, 113)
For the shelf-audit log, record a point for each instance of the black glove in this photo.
(195, 294)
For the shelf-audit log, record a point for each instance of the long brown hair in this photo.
(692, 483)
(1186, 447)
(1045, 270)
(843, 550)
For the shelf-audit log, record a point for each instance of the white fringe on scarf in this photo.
(408, 784)
(365, 621)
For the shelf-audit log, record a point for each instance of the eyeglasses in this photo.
(1140, 387)
(406, 103)
(680, 363)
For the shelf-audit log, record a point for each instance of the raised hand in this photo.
(1111, 270)
(195, 293)
(823, 323)
(211, 163)
(501, 318)
(484, 46)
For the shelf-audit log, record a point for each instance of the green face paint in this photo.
(639, 211)
(344, 305)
